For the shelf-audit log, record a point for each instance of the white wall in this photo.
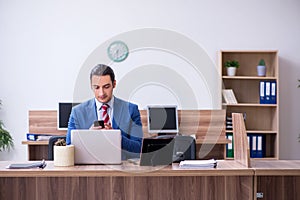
(43, 45)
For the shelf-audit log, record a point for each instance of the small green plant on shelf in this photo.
(232, 63)
(6, 141)
(262, 62)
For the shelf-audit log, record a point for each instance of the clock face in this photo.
(117, 51)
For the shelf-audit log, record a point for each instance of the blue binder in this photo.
(257, 149)
(268, 92)
(262, 99)
(253, 147)
(249, 138)
(273, 93)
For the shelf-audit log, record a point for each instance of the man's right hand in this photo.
(95, 127)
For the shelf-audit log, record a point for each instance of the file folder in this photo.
(262, 99)
(259, 151)
(257, 143)
(254, 147)
(268, 92)
(229, 146)
(273, 93)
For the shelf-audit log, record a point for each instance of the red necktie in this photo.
(105, 116)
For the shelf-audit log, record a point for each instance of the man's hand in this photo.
(106, 126)
(95, 127)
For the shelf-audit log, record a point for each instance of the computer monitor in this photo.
(162, 119)
(63, 114)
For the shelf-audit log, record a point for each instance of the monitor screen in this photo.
(63, 114)
(162, 119)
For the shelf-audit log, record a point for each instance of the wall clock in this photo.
(117, 51)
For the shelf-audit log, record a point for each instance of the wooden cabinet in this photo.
(260, 118)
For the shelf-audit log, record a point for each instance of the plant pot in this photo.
(261, 70)
(63, 155)
(231, 71)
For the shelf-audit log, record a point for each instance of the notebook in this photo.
(97, 146)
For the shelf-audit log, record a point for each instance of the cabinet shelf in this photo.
(250, 105)
(259, 118)
(212, 141)
(257, 131)
(249, 77)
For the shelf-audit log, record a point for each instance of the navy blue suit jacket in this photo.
(126, 117)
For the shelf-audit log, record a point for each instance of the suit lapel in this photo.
(118, 109)
(92, 111)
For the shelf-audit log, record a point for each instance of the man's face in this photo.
(102, 87)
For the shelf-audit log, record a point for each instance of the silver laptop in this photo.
(97, 146)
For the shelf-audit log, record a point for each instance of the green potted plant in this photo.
(231, 66)
(261, 68)
(6, 141)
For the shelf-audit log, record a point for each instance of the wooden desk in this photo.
(127, 181)
(277, 179)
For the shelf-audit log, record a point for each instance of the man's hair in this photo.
(102, 70)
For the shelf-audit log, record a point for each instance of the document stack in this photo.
(188, 164)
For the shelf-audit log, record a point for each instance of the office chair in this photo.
(52, 140)
(184, 148)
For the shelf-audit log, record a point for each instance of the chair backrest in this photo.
(184, 148)
(52, 140)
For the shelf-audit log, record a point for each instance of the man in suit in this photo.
(116, 113)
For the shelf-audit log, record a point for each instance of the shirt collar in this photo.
(110, 103)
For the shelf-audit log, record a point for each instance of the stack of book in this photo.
(229, 96)
(228, 123)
